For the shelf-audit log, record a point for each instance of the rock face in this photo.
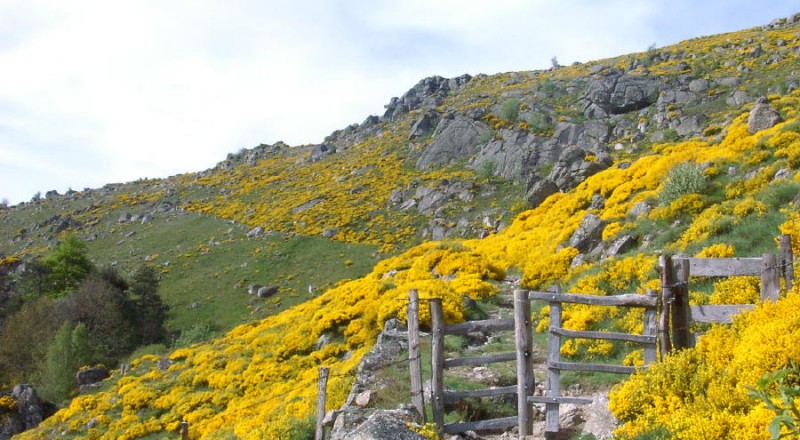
(762, 116)
(455, 137)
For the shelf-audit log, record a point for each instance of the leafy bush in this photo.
(779, 390)
(682, 180)
(510, 109)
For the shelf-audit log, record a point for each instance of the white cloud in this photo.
(151, 88)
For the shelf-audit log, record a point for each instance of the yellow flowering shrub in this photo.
(736, 290)
(719, 250)
(703, 392)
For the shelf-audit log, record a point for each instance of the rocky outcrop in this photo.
(427, 93)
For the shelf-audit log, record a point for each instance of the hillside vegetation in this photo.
(677, 170)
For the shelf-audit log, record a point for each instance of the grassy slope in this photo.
(259, 379)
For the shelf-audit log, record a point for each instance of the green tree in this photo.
(58, 371)
(24, 340)
(69, 264)
(151, 312)
(81, 345)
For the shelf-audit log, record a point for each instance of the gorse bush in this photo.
(684, 179)
(780, 392)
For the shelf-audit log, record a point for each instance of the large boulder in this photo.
(762, 116)
(616, 93)
(355, 424)
(92, 375)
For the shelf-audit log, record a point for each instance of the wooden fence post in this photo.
(524, 342)
(322, 387)
(184, 430)
(787, 260)
(551, 426)
(770, 278)
(650, 329)
(681, 337)
(437, 363)
(666, 301)
(414, 360)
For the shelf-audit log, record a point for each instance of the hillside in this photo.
(573, 175)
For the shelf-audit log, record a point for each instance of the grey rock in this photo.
(422, 126)
(91, 375)
(329, 232)
(253, 289)
(640, 209)
(307, 205)
(319, 152)
(255, 232)
(762, 116)
(384, 425)
(690, 125)
(588, 234)
(598, 202)
(147, 218)
(698, 85)
(541, 190)
(617, 94)
(738, 98)
(427, 93)
(397, 196)
(29, 406)
(620, 245)
(267, 291)
(599, 420)
(453, 139)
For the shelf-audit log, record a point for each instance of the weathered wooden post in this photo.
(650, 329)
(665, 262)
(681, 337)
(524, 341)
(322, 390)
(414, 360)
(437, 363)
(770, 278)
(551, 426)
(184, 430)
(787, 260)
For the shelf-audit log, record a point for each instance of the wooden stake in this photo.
(322, 390)
(437, 363)
(525, 380)
(414, 360)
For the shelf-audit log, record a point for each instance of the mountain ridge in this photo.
(355, 189)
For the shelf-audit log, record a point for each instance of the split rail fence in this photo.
(667, 326)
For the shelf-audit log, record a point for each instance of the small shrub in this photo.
(681, 180)
(510, 109)
(779, 391)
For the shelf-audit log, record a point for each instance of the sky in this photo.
(97, 92)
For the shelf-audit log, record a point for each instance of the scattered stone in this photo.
(620, 245)
(253, 289)
(329, 232)
(599, 420)
(363, 398)
(255, 232)
(306, 206)
(29, 406)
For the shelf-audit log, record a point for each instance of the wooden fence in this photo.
(553, 399)
(667, 322)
